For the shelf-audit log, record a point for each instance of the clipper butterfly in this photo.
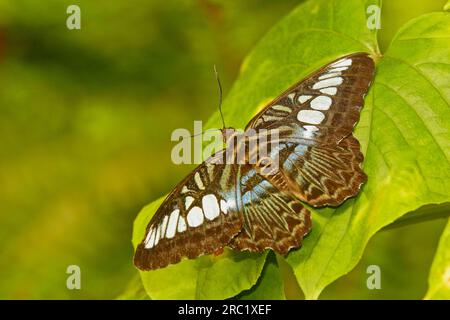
(239, 205)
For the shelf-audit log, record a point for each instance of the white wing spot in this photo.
(153, 239)
(329, 75)
(303, 99)
(330, 90)
(148, 235)
(163, 226)
(332, 82)
(198, 181)
(291, 96)
(270, 118)
(310, 116)
(195, 217)
(338, 69)
(172, 226)
(321, 103)
(281, 108)
(343, 63)
(181, 225)
(184, 189)
(150, 240)
(210, 207)
(188, 201)
(158, 233)
(311, 128)
(224, 206)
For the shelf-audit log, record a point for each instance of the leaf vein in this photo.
(419, 116)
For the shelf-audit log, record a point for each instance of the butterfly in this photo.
(246, 208)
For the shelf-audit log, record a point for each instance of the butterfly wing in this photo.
(200, 216)
(323, 174)
(319, 159)
(272, 218)
(329, 99)
(248, 209)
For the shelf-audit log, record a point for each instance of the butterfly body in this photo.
(251, 201)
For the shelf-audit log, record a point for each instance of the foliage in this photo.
(404, 132)
(85, 123)
(439, 280)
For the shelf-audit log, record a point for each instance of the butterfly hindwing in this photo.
(273, 219)
(200, 216)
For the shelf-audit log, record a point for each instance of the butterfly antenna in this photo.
(198, 134)
(220, 95)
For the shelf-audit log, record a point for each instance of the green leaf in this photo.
(134, 290)
(447, 6)
(439, 279)
(404, 130)
(270, 283)
(423, 214)
(207, 277)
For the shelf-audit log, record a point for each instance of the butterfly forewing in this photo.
(326, 104)
(200, 216)
(318, 156)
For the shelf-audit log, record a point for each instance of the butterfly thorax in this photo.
(257, 148)
(227, 134)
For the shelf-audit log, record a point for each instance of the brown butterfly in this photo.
(240, 205)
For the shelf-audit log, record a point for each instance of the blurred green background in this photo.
(85, 123)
